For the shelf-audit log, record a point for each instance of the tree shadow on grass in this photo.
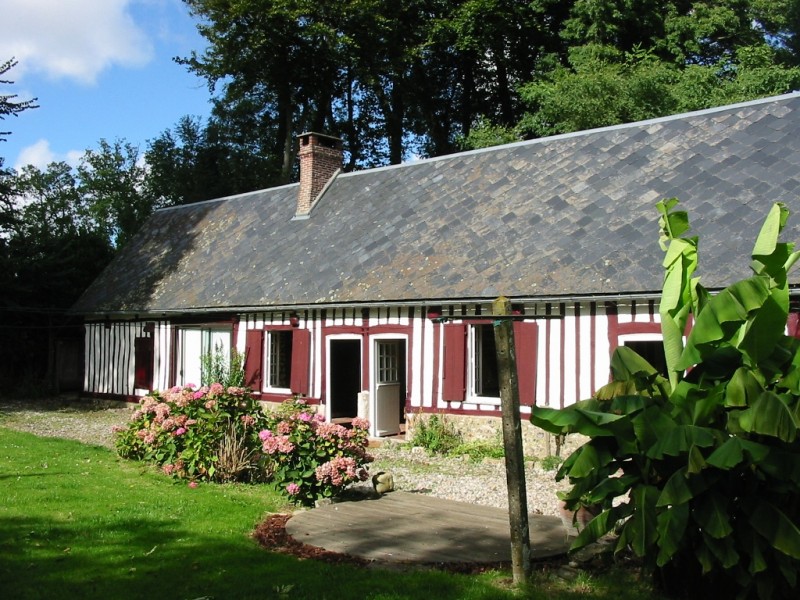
(159, 558)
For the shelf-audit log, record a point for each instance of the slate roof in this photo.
(567, 216)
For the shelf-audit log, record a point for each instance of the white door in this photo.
(388, 386)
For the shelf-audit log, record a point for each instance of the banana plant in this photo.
(697, 471)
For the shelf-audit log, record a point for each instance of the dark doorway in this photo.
(344, 362)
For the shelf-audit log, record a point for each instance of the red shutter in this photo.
(793, 324)
(301, 360)
(253, 358)
(143, 354)
(525, 341)
(455, 363)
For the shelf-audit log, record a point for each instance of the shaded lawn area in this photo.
(76, 521)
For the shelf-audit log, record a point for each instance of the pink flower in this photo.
(304, 416)
(210, 404)
(197, 395)
(329, 431)
(337, 472)
(264, 435)
(293, 489)
(192, 484)
(248, 420)
(277, 444)
(360, 423)
(216, 389)
(284, 428)
(180, 431)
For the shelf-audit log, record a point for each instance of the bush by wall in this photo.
(218, 433)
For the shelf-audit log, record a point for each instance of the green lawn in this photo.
(78, 522)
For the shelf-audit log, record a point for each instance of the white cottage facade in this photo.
(370, 293)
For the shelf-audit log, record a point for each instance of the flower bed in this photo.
(218, 433)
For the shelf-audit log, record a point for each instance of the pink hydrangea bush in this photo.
(180, 429)
(308, 458)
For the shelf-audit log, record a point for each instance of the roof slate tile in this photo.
(566, 216)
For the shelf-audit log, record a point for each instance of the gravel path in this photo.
(413, 469)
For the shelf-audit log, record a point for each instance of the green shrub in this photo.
(436, 433)
(479, 449)
(217, 366)
(309, 459)
(699, 471)
(182, 430)
(221, 434)
(550, 463)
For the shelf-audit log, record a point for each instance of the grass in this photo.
(76, 521)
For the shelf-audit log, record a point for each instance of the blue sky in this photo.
(100, 69)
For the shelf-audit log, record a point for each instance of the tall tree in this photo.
(9, 105)
(112, 183)
(391, 77)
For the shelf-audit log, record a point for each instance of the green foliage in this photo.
(477, 450)
(9, 105)
(182, 430)
(309, 459)
(550, 463)
(218, 433)
(219, 366)
(603, 86)
(484, 135)
(436, 433)
(700, 473)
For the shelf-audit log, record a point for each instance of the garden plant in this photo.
(698, 471)
(218, 433)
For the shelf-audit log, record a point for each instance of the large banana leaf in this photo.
(777, 528)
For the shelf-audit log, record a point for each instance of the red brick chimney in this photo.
(320, 161)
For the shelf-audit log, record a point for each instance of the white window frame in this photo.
(210, 336)
(474, 367)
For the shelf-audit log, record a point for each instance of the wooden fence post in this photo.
(512, 441)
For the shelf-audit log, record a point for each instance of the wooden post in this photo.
(512, 442)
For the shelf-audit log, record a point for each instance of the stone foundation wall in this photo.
(535, 441)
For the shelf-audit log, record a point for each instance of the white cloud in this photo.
(71, 39)
(40, 155)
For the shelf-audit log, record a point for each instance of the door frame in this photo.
(334, 337)
(373, 375)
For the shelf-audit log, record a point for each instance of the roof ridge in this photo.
(583, 132)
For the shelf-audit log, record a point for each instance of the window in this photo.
(279, 359)
(485, 377)
(652, 351)
(480, 361)
(197, 342)
(283, 354)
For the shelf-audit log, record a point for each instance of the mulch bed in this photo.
(271, 534)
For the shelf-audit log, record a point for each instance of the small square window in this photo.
(279, 359)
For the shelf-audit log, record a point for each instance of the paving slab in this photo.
(415, 528)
